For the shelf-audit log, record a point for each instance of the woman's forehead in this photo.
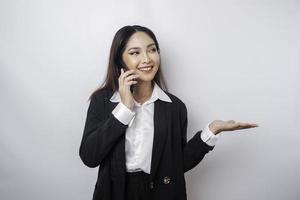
(140, 40)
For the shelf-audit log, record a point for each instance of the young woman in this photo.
(136, 131)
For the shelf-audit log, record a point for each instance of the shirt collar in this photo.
(157, 93)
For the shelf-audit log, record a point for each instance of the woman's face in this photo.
(141, 54)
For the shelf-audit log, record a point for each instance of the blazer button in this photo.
(167, 180)
(151, 185)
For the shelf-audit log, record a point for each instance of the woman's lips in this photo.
(145, 69)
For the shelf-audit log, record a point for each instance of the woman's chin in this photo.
(146, 78)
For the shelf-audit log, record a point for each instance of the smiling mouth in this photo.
(145, 69)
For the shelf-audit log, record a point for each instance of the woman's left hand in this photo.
(218, 126)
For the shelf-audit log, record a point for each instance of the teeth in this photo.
(145, 69)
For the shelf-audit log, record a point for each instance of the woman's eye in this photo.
(134, 53)
(153, 50)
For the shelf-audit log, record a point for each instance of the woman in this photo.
(135, 130)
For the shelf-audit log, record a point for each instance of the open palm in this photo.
(218, 126)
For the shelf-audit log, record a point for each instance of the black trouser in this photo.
(137, 186)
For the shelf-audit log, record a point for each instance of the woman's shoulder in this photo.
(176, 100)
(102, 94)
(178, 106)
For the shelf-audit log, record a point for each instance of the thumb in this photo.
(231, 121)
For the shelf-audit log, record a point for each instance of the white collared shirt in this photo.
(140, 130)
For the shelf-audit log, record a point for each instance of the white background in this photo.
(226, 60)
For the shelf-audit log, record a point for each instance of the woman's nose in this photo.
(146, 58)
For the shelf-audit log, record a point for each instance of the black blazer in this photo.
(103, 145)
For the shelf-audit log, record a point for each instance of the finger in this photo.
(131, 77)
(128, 72)
(252, 125)
(238, 125)
(244, 125)
(247, 125)
(231, 121)
(129, 83)
(125, 74)
(122, 72)
(120, 79)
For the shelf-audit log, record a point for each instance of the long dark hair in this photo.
(115, 58)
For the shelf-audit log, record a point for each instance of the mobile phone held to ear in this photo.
(131, 87)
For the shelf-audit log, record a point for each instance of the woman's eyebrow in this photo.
(139, 47)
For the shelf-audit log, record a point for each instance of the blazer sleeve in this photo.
(195, 149)
(100, 133)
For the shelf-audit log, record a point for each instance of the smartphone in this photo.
(131, 87)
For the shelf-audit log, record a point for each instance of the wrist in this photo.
(130, 107)
(214, 129)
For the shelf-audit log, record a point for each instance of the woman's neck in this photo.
(142, 91)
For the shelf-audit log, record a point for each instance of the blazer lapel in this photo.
(161, 122)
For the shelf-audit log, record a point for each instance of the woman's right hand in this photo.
(126, 79)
